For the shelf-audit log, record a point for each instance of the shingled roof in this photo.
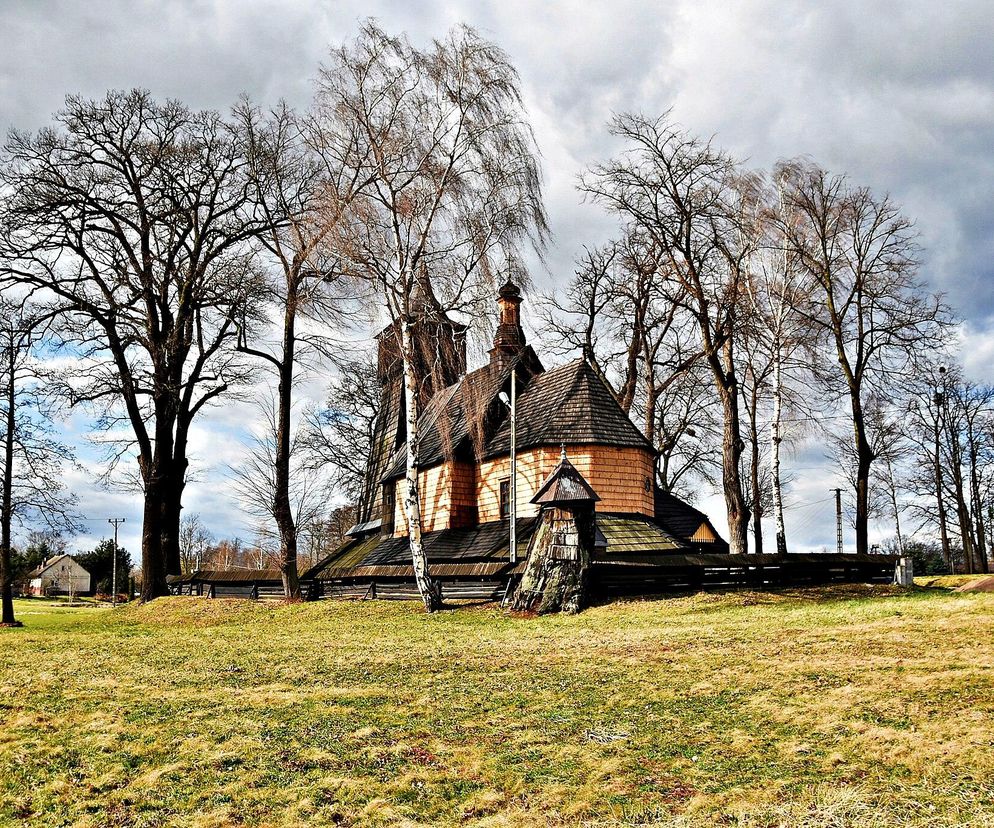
(683, 520)
(565, 485)
(485, 543)
(453, 412)
(570, 405)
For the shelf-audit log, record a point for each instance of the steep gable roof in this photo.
(38, 571)
(683, 520)
(570, 405)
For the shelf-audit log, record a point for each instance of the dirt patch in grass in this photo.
(985, 584)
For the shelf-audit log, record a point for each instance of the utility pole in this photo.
(513, 495)
(113, 580)
(838, 519)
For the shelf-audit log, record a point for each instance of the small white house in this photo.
(59, 575)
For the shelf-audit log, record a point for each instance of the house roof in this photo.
(682, 519)
(635, 534)
(485, 543)
(464, 551)
(38, 571)
(227, 576)
(454, 412)
(572, 405)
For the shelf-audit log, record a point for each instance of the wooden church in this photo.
(567, 418)
(590, 522)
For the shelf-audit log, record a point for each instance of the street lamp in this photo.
(512, 405)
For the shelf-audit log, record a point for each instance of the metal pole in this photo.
(113, 580)
(513, 548)
(838, 519)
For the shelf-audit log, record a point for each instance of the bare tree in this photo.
(194, 541)
(966, 417)
(871, 311)
(691, 200)
(454, 188)
(618, 310)
(778, 332)
(32, 460)
(130, 218)
(299, 195)
(258, 478)
(689, 433)
(926, 482)
(338, 436)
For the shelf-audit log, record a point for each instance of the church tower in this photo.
(509, 340)
(439, 361)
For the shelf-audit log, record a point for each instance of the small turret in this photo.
(510, 337)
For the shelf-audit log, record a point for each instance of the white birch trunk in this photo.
(775, 440)
(429, 591)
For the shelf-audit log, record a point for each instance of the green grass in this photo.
(833, 707)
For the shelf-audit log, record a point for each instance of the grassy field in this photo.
(834, 707)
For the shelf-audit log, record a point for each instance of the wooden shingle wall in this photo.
(617, 474)
(456, 494)
(435, 490)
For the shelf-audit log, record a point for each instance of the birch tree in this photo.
(453, 188)
(776, 291)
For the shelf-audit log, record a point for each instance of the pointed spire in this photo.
(565, 486)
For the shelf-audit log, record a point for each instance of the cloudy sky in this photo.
(900, 96)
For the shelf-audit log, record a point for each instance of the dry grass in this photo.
(833, 707)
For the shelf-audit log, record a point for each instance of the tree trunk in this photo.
(962, 510)
(731, 460)
(172, 505)
(282, 507)
(153, 561)
(555, 577)
(775, 441)
(430, 591)
(963, 517)
(947, 552)
(7, 507)
(864, 459)
(651, 404)
(892, 486)
(161, 504)
(757, 494)
(980, 539)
